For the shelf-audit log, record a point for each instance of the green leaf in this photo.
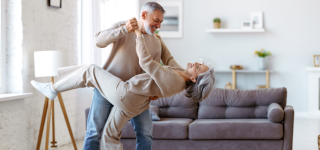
(216, 20)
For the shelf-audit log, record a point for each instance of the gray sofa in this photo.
(226, 120)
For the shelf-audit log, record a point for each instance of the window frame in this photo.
(2, 48)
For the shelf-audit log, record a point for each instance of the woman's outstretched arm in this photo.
(166, 56)
(168, 81)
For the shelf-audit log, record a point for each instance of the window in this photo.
(113, 11)
(2, 48)
(100, 15)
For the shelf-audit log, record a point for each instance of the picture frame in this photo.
(54, 3)
(171, 26)
(246, 24)
(316, 60)
(257, 19)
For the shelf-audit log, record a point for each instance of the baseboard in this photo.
(307, 115)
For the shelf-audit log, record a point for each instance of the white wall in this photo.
(40, 28)
(292, 36)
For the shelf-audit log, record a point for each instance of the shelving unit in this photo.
(226, 30)
(243, 71)
(234, 74)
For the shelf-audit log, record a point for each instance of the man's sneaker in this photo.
(45, 88)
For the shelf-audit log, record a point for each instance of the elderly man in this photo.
(123, 62)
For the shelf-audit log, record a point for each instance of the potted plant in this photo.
(262, 54)
(216, 23)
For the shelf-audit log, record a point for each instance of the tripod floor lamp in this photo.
(46, 64)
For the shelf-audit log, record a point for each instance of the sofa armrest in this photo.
(288, 127)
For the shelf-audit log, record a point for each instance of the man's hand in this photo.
(153, 97)
(132, 24)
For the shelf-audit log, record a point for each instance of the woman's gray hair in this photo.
(202, 88)
(149, 7)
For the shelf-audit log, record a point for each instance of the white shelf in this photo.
(243, 71)
(313, 69)
(8, 97)
(226, 30)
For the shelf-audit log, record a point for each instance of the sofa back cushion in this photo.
(177, 106)
(232, 104)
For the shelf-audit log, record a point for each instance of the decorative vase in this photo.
(262, 63)
(216, 25)
(228, 85)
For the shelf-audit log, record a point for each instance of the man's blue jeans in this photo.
(98, 115)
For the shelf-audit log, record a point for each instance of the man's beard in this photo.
(147, 27)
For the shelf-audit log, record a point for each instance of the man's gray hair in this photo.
(149, 7)
(202, 88)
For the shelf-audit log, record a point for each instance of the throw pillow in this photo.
(275, 113)
(154, 112)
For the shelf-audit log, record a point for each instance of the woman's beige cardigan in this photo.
(158, 80)
(131, 95)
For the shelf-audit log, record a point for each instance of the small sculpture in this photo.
(228, 85)
(236, 67)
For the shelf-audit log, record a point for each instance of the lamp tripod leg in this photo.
(53, 142)
(44, 114)
(48, 124)
(67, 120)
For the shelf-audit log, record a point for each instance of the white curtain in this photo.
(98, 15)
(90, 25)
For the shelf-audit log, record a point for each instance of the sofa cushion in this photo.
(177, 106)
(234, 104)
(165, 128)
(235, 129)
(275, 113)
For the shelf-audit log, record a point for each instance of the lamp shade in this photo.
(46, 63)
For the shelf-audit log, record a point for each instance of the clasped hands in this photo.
(132, 25)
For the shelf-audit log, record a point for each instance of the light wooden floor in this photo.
(69, 146)
(305, 135)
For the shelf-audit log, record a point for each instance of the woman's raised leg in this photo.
(112, 130)
(110, 86)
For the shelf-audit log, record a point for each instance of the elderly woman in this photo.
(130, 98)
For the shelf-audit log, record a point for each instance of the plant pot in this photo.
(216, 25)
(262, 63)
